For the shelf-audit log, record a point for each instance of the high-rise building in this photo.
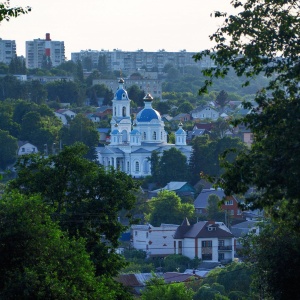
(129, 61)
(7, 50)
(40, 52)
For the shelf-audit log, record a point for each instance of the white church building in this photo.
(132, 141)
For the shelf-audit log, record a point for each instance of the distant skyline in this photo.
(128, 25)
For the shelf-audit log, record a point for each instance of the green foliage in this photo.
(235, 277)
(8, 149)
(86, 199)
(168, 208)
(156, 288)
(83, 130)
(136, 95)
(177, 263)
(209, 156)
(38, 260)
(270, 252)
(171, 166)
(214, 211)
(7, 12)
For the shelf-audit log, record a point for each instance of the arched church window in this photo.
(128, 167)
(144, 135)
(154, 136)
(124, 111)
(137, 166)
(115, 111)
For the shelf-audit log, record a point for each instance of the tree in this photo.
(136, 95)
(269, 252)
(83, 130)
(214, 211)
(168, 208)
(222, 99)
(102, 64)
(262, 39)
(85, 197)
(38, 259)
(208, 155)
(6, 12)
(8, 149)
(156, 288)
(172, 166)
(269, 29)
(185, 107)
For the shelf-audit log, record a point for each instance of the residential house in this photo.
(206, 112)
(103, 134)
(181, 188)
(230, 205)
(62, 117)
(183, 117)
(103, 111)
(67, 112)
(206, 126)
(155, 241)
(93, 117)
(194, 133)
(242, 229)
(208, 240)
(26, 148)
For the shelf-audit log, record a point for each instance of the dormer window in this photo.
(211, 228)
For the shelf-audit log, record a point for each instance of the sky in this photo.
(127, 25)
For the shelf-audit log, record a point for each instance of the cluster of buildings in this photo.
(41, 49)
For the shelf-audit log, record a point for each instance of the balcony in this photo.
(225, 248)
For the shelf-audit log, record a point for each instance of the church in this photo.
(132, 141)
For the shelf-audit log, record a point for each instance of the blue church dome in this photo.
(148, 114)
(121, 93)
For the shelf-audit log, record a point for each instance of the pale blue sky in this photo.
(172, 25)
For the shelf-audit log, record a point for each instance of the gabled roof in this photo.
(141, 150)
(207, 126)
(201, 230)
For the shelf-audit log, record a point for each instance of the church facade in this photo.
(132, 141)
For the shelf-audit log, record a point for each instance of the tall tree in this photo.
(222, 99)
(83, 130)
(8, 149)
(39, 260)
(250, 42)
(173, 166)
(86, 199)
(168, 208)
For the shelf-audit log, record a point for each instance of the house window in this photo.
(207, 256)
(137, 166)
(206, 244)
(135, 233)
(154, 135)
(221, 242)
(180, 247)
(229, 202)
(23, 149)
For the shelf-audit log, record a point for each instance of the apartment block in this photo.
(7, 50)
(130, 61)
(40, 50)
